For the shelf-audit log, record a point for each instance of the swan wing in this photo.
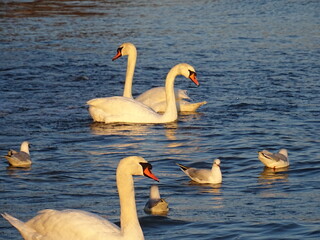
(158, 94)
(121, 109)
(71, 224)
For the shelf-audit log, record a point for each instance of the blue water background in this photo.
(258, 66)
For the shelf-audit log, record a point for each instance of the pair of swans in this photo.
(128, 110)
(154, 98)
(70, 224)
(144, 108)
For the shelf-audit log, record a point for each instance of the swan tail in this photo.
(185, 106)
(26, 231)
(184, 168)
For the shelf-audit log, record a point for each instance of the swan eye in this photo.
(147, 171)
(146, 165)
(192, 73)
(119, 49)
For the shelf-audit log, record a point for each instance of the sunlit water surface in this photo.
(258, 65)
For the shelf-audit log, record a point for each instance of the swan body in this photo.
(156, 204)
(212, 175)
(128, 110)
(154, 98)
(274, 160)
(20, 159)
(80, 225)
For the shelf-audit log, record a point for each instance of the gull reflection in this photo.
(213, 189)
(17, 172)
(270, 175)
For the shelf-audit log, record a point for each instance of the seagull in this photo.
(20, 159)
(156, 204)
(274, 160)
(212, 175)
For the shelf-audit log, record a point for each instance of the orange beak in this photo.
(147, 172)
(194, 79)
(119, 54)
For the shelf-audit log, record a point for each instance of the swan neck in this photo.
(132, 58)
(171, 109)
(128, 217)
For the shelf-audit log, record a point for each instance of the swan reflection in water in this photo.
(98, 128)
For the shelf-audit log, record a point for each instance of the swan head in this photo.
(187, 71)
(136, 165)
(125, 49)
(25, 147)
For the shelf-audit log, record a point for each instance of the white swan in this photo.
(128, 110)
(274, 160)
(212, 175)
(154, 97)
(20, 159)
(156, 205)
(80, 225)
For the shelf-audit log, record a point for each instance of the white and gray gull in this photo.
(274, 160)
(156, 204)
(19, 159)
(213, 175)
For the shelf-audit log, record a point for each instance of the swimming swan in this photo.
(128, 110)
(71, 224)
(155, 97)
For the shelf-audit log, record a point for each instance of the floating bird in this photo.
(80, 225)
(274, 160)
(154, 98)
(156, 204)
(128, 110)
(20, 159)
(212, 175)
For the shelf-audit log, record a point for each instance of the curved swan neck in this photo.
(128, 217)
(132, 58)
(171, 109)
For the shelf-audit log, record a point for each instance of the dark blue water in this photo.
(258, 65)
